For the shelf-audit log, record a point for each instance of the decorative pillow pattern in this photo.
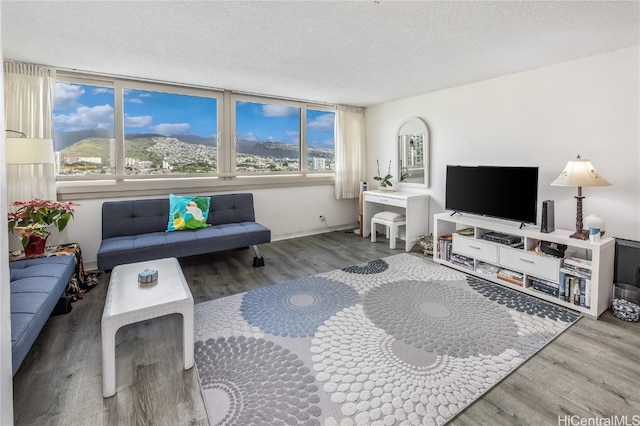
(188, 212)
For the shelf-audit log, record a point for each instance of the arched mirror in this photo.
(413, 153)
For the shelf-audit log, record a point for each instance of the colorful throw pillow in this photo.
(188, 212)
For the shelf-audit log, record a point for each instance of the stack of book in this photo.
(460, 260)
(545, 286)
(511, 276)
(487, 269)
(444, 247)
(575, 281)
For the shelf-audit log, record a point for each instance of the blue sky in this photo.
(80, 107)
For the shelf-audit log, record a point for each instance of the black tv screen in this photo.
(509, 193)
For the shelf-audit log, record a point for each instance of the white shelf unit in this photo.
(525, 260)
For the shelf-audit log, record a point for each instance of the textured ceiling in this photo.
(356, 53)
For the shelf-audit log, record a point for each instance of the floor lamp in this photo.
(30, 169)
(579, 172)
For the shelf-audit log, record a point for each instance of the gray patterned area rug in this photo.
(399, 340)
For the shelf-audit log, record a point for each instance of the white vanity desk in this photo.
(414, 205)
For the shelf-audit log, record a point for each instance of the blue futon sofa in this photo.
(135, 230)
(36, 286)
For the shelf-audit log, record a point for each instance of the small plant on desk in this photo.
(384, 180)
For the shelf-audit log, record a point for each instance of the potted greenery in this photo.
(384, 182)
(32, 218)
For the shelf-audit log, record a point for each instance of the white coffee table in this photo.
(129, 302)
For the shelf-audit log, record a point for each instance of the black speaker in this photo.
(547, 225)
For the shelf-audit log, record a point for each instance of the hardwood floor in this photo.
(592, 370)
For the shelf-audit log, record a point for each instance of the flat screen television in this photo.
(502, 192)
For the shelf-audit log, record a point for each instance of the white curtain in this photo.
(350, 151)
(28, 103)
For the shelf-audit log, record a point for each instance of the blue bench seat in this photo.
(36, 286)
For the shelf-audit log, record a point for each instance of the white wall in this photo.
(288, 212)
(6, 370)
(543, 117)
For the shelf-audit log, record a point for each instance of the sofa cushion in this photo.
(188, 212)
(138, 248)
(36, 287)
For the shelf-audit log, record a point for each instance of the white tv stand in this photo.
(524, 260)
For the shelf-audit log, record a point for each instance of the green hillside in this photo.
(90, 147)
(100, 147)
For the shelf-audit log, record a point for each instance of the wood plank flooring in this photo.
(592, 370)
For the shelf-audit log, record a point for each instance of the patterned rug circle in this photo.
(296, 309)
(438, 318)
(254, 381)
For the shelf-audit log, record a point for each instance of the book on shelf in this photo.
(460, 260)
(576, 273)
(574, 289)
(511, 276)
(444, 247)
(562, 282)
(577, 262)
(487, 269)
(545, 286)
(578, 266)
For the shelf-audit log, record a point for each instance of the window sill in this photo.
(78, 190)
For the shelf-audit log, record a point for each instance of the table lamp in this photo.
(579, 172)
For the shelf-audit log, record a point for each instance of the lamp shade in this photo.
(29, 151)
(580, 172)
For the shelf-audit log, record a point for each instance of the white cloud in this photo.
(66, 95)
(249, 136)
(278, 110)
(322, 123)
(137, 121)
(172, 128)
(294, 136)
(99, 90)
(144, 95)
(96, 117)
(135, 101)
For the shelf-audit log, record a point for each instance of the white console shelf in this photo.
(524, 260)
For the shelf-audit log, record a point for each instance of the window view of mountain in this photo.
(92, 152)
(169, 132)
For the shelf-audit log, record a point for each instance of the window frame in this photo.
(238, 97)
(226, 177)
(302, 123)
(119, 85)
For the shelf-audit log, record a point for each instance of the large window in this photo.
(130, 130)
(83, 122)
(320, 140)
(169, 133)
(267, 137)
(282, 137)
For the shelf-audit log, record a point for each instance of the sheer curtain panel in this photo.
(28, 104)
(350, 151)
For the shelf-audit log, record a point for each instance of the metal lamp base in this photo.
(580, 235)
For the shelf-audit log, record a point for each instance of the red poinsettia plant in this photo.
(32, 218)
